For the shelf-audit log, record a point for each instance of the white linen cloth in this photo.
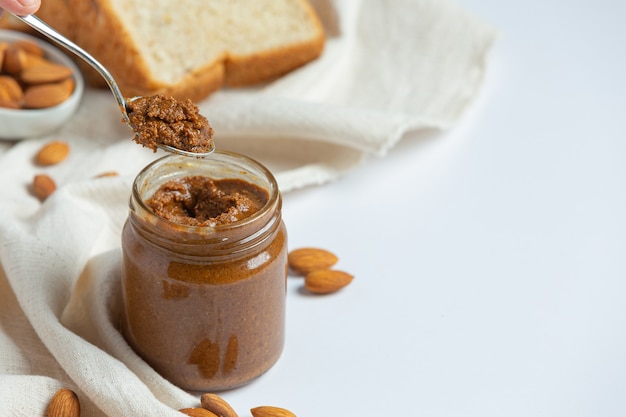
(388, 67)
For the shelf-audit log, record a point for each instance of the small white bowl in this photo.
(18, 124)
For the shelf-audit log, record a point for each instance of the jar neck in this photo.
(221, 242)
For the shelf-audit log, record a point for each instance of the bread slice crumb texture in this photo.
(179, 37)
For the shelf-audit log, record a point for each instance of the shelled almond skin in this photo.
(305, 260)
(197, 412)
(64, 403)
(52, 153)
(325, 281)
(43, 186)
(217, 405)
(269, 411)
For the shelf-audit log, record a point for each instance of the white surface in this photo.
(489, 260)
(21, 124)
(61, 258)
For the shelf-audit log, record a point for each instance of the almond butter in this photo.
(197, 412)
(47, 72)
(45, 95)
(305, 260)
(217, 405)
(52, 153)
(269, 411)
(43, 186)
(64, 403)
(324, 281)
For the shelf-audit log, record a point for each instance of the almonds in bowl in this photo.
(40, 86)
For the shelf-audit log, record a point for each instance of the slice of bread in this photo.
(189, 48)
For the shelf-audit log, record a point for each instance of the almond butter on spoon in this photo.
(142, 114)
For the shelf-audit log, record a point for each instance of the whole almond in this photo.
(269, 411)
(45, 95)
(107, 174)
(305, 260)
(52, 153)
(324, 281)
(15, 60)
(9, 104)
(3, 47)
(68, 84)
(5, 94)
(64, 403)
(45, 73)
(34, 59)
(217, 405)
(197, 412)
(29, 46)
(43, 186)
(10, 89)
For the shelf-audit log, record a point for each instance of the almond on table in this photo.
(64, 403)
(305, 260)
(197, 412)
(52, 153)
(325, 281)
(107, 174)
(217, 405)
(269, 411)
(43, 186)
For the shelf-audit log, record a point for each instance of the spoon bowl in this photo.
(191, 147)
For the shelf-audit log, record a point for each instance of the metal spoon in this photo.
(52, 34)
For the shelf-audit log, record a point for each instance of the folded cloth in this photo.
(388, 68)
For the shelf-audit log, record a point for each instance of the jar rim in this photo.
(245, 163)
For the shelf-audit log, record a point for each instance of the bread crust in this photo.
(266, 65)
(269, 64)
(96, 27)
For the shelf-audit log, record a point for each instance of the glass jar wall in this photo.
(205, 305)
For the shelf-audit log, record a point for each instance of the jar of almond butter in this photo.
(204, 270)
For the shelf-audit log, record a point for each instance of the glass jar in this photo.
(205, 305)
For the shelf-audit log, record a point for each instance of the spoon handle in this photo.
(41, 27)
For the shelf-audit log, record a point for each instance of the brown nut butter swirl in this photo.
(202, 201)
(160, 120)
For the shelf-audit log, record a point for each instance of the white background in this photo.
(489, 260)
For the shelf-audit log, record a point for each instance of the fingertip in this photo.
(24, 7)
